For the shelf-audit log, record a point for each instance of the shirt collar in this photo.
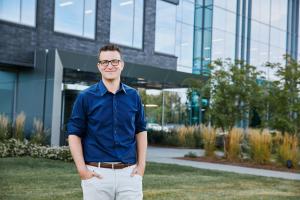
(103, 89)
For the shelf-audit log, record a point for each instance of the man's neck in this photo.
(112, 85)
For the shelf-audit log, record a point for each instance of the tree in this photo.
(235, 93)
(284, 111)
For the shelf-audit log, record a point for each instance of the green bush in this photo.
(13, 148)
(182, 137)
(191, 155)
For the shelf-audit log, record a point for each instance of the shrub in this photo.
(182, 137)
(14, 147)
(276, 141)
(260, 146)
(4, 126)
(39, 132)
(234, 144)
(288, 150)
(209, 140)
(191, 155)
(188, 136)
(19, 126)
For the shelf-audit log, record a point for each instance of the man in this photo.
(107, 134)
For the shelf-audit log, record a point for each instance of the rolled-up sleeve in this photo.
(77, 122)
(140, 121)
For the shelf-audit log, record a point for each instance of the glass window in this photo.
(259, 32)
(186, 53)
(218, 44)
(279, 14)
(223, 45)
(76, 17)
(187, 12)
(229, 51)
(224, 20)
(185, 35)
(7, 88)
(227, 4)
(126, 25)
(261, 10)
(219, 18)
(259, 55)
(18, 11)
(278, 38)
(298, 48)
(165, 27)
(276, 54)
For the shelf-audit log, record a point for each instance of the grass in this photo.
(42, 179)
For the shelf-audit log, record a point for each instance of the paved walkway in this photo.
(166, 155)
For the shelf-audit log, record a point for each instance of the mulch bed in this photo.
(221, 160)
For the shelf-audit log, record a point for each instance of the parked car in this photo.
(170, 127)
(154, 127)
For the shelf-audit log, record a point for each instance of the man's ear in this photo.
(98, 66)
(122, 65)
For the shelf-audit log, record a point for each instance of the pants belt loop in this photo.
(99, 164)
(113, 166)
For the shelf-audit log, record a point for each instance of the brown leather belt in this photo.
(109, 165)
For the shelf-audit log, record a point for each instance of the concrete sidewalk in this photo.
(166, 155)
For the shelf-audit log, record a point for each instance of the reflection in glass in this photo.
(89, 18)
(75, 17)
(187, 12)
(185, 36)
(278, 38)
(18, 11)
(299, 47)
(227, 4)
(259, 32)
(279, 14)
(126, 25)
(224, 25)
(165, 27)
(276, 54)
(224, 20)
(7, 85)
(261, 10)
(223, 45)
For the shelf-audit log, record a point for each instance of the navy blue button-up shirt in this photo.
(107, 123)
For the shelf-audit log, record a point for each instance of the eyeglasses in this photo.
(105, 63)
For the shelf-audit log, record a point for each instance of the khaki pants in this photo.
(116, 184)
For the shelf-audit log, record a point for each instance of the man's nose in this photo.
(109, 65)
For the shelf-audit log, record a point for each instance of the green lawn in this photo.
(29, 178)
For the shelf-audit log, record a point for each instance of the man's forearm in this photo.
(141, 139)
(76, 151)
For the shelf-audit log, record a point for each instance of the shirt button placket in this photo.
(115, 118)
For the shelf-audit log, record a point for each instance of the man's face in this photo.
(110, 65)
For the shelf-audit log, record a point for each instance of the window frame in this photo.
(22, 24)
(72, 34)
